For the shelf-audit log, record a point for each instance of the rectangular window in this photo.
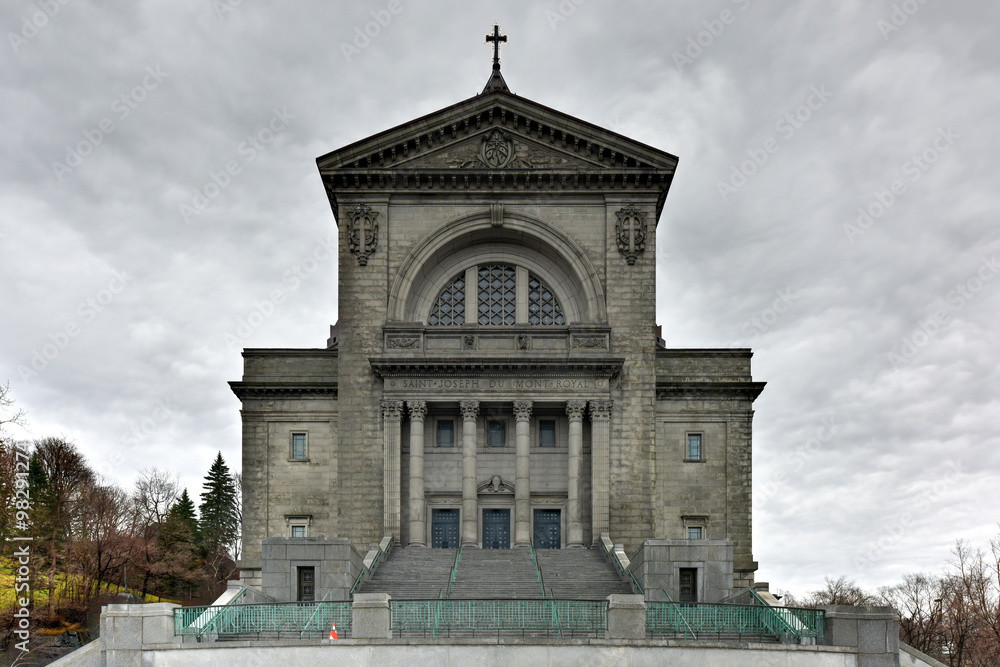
(694, 533)
(694, 447)
(496, 434)
(445, 433)
(298, 531)
(298, 446)
(547, 433)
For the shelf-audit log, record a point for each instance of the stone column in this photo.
(470, 504)
(391, 419)
(600, 465)
(522, 482)
(575, 410)
(418, 518)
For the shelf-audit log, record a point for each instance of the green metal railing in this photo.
(623, 572)
(538, 570)
(454, 569)
(380, 557)
(691, 620)
(434, 617)
(308, 619)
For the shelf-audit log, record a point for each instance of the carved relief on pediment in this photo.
(497, 150)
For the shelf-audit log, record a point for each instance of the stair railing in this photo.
(454, 569)
(305, 628)
(538, 570)
(680, 612)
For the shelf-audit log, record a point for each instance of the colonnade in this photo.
(576, 410)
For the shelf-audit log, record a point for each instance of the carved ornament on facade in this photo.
(590, 342)
(468, 342)
(496, 485)
(630, 231)
(470, 410)
(391, 409)
(523, 342)
(522, 410)
(403, 342)
(418, 410)
(575, 410)
(601, 409)
(362, 232)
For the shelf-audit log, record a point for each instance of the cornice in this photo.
(729, 390)
(248, 390)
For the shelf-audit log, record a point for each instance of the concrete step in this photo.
(579, 574)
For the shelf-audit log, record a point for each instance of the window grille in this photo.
(497, 295)
(543, 307)
(449, 309)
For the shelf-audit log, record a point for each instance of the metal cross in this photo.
(496, 38)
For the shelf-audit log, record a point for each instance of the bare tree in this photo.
(840, 591)
(68, 474)
(155, 493)
(236, 547)
(106, 537)
(8, 415)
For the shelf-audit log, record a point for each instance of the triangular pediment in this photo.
(497, 141)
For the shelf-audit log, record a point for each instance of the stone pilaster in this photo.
(600, 448)
(417, 511)
(522, 482)
(470, 504)
(575, 410)
(391, 422)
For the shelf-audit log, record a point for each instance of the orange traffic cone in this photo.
(333, 631)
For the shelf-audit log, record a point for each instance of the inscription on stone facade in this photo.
(498, 383)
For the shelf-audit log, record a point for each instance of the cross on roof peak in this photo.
(496, 38)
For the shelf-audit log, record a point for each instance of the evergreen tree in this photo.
(182, 512)
(219, 522)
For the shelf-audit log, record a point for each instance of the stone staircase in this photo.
(485, 574)
(414, 573)
(579, 574)
(420, 573)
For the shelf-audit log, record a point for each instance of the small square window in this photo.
(298, 446)
(445, 433)
(694, 532)
(496, 434)
(694, 447)
(547, 433)
(298, 531)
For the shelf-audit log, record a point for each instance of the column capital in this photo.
(575, 410)
(391, 409)
(522, 410)
(470, 410)
(601, 409)
(418, 410)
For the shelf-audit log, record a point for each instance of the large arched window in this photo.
(505, 295)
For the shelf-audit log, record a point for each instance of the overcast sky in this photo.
(835, 208)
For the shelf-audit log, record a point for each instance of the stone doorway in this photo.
(444, 529)
(547, 532)
(496, 529)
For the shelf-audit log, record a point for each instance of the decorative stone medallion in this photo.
(497, 150)
(362, 232)
(631, 232)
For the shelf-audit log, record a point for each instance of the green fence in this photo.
(305, 619)
(693, 621)
(444, 617)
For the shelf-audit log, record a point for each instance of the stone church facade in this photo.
(496, 376)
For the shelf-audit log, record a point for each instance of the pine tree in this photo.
(182, 512)
(219, 522)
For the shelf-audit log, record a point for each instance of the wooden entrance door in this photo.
(307, 584)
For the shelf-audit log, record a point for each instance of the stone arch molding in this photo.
(473, 239)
